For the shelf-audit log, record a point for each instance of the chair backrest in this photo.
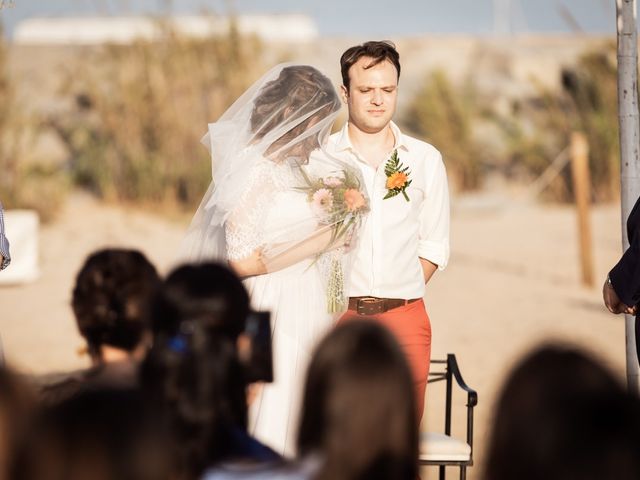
(447, 370)
(439, 372)
(442, 449)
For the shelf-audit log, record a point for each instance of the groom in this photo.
(406, 236)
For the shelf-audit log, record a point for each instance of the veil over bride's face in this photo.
(283, 116)
(292, 114)
(299, 152)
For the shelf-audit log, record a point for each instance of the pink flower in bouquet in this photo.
(332, 182)
(322, 201)
(354, 199)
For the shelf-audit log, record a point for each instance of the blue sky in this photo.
(375, 18)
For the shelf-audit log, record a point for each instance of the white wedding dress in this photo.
(268, 201)
(271, 212)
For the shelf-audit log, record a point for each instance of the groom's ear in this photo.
(344, 94)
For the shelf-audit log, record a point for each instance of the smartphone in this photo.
(257, 354)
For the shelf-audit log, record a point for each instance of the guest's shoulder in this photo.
(243, 471)
(304, 468)
(53, 388)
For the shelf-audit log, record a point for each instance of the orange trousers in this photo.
(411, 326)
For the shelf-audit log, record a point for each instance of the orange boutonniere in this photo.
(397, 177)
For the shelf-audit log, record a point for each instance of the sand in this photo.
(512, 282)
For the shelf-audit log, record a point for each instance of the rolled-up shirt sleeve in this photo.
(433, 243)
(4, 243)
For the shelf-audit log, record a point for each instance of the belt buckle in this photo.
(370, 306)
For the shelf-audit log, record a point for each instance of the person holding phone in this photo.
(195, 375)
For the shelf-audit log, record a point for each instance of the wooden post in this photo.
(629, 148)
(582, 194)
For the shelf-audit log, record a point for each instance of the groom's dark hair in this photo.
(378, 51)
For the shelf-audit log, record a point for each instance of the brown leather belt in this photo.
(375, 305)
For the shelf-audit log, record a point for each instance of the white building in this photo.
(123, 30)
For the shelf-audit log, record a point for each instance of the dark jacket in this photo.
(625, 276)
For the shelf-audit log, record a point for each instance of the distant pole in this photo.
(582, 192)
(502, 17)
(629, 147)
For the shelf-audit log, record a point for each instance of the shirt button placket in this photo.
(377, 231)
(370, 179)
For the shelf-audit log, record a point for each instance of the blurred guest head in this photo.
(98, 435)
(561, 415)
(207, 294)
(358, 411)
(17, 403)
(110, 301)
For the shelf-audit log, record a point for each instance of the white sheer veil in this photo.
(282, 116)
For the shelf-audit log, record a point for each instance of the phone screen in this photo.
(258, 355)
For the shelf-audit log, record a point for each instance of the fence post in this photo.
(582, 194)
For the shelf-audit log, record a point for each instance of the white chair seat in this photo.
(443, 448)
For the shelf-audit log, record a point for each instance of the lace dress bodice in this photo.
(271, 212)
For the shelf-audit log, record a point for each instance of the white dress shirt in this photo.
(396, 232)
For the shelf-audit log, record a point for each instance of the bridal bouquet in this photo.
(338, 202)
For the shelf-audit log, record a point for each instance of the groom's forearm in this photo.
(428, 269)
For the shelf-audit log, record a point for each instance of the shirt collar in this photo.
(400, 141)
(344, 142)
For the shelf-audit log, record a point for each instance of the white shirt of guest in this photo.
(397, 232)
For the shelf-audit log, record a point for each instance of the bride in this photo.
(280, 212)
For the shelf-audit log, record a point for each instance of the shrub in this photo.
(141, 109)
(443, 115)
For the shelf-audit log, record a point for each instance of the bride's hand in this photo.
(350, 240)
(249, 266)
